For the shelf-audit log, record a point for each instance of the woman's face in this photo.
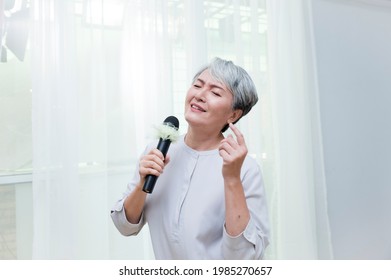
(209, 103)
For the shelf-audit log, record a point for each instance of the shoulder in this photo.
(250, 163)
(251, 170)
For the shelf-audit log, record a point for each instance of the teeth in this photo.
(198, 108)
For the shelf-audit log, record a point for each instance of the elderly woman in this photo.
(209, 203)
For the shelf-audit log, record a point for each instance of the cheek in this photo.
(224, 110)
(189, 96)
(187, 99)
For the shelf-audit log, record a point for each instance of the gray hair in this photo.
(238, 82)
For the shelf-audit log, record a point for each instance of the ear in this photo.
(236, 114)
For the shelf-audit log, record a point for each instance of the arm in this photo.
(127, 212)
(247, 225)
(153, 163)
(233, 153)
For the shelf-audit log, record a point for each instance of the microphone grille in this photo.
(172, 121)
(168, 129)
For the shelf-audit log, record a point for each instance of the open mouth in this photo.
(196, 107)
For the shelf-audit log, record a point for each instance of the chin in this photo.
(194, 120)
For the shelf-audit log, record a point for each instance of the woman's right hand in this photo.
(152, 163)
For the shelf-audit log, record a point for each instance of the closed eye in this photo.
(216, 93)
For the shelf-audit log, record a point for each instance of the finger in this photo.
(149, 159)
(150, 171)
(154, 165)
(238, 134)
(224, 145)
(231, 141)
(158, 153)
(224, 154)
(144, 171)
(148, 167)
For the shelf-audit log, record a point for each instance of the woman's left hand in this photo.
(233, 153)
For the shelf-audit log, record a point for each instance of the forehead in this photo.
(207, 77)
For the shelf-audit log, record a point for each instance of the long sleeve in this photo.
(118, 212)
(186, 213)
(122, 224)
(252, 242)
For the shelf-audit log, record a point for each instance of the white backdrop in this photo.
(105, 71)
(354, 63)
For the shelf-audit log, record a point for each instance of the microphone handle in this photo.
(150, 180)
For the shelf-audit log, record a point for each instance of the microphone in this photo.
(167, 132)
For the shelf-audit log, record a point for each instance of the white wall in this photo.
(353, 45)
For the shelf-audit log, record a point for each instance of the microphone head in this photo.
(168, 130)
(172, 121)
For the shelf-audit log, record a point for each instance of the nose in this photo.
(200, 95)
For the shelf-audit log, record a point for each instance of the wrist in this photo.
(232, 181)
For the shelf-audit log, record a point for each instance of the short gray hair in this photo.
(238, 82)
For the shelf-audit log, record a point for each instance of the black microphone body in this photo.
(163, 145)
(150, 180)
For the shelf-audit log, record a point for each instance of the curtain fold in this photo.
(54, 125)
(69, 124)
(299, 205)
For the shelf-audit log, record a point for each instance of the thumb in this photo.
(167, 159)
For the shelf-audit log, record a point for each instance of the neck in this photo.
(201, 141)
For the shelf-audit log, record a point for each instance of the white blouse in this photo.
(186, 211)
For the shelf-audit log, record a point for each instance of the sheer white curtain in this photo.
(104, 72)
(55, 152)
(69, 116)
(299, 202)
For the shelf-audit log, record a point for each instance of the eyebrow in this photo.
(212, 84)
